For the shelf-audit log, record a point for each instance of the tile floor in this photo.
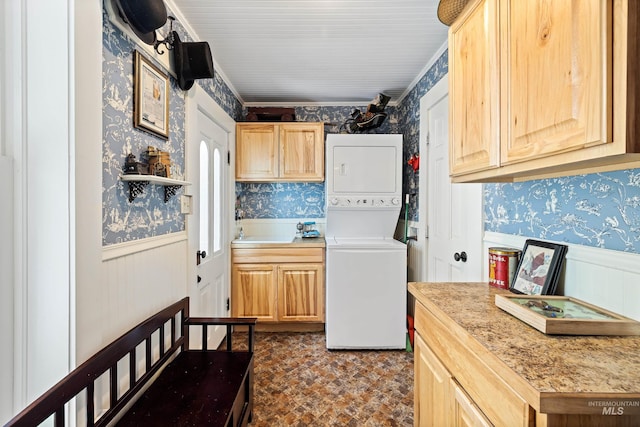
(298, 382)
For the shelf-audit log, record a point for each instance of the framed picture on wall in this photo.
(151, 97)
(539, 268)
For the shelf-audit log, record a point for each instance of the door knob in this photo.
(462, 256)
(199, 256)
(199, 279)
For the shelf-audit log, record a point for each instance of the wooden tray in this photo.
(560, 315)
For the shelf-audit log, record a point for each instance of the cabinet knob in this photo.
(462, 256)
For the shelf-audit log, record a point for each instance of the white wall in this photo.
(6, 222)
(6, 289)
(88, 307)
(608, 279)
(45, 195)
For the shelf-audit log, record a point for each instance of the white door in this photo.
(454, 211)
(208, 171)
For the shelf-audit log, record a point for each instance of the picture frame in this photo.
(539, 268)
(151, 97)
(562, 315)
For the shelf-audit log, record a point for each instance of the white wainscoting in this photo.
(608, 279)
(137, 285)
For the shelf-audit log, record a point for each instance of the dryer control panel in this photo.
(363, 202)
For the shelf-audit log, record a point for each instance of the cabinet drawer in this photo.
(495, 398)
(277, 255)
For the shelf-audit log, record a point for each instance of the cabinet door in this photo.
(256, 152)
(465, 412)
(302, 151)
(301, 292)
(432, 388)
(474, 121)
(555, 84)
(253, 291)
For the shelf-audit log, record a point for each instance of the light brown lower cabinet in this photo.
(300, 292)
(442, 402)
(253, 291)
(432, 386)
(273, 286)
(458, 382)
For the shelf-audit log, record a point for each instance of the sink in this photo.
(264, 239)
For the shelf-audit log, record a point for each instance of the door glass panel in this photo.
(217, 200)
(204, 197)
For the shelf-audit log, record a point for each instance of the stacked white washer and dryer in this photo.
(366, 268)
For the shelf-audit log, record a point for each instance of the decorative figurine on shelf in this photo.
(159, 162)
(132, 167)
(159, 169)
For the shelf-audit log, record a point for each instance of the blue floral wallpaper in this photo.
(281, 200)
(600, 210)
(148, 215)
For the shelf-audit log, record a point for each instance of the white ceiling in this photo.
(316, 51)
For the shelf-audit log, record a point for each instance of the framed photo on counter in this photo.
(539, 268)
(151, 97)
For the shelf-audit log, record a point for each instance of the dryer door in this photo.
(364, 165)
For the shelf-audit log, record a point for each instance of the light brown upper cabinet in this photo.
(542, 88)
(280, 152)
(473, 99)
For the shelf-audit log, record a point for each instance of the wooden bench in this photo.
(166, 382)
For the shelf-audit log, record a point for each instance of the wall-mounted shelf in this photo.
(137, 184)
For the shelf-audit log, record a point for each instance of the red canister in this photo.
(502, 266)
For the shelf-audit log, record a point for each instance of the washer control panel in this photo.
(363, 202)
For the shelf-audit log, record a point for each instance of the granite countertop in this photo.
(548, 363)
(275, 242)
